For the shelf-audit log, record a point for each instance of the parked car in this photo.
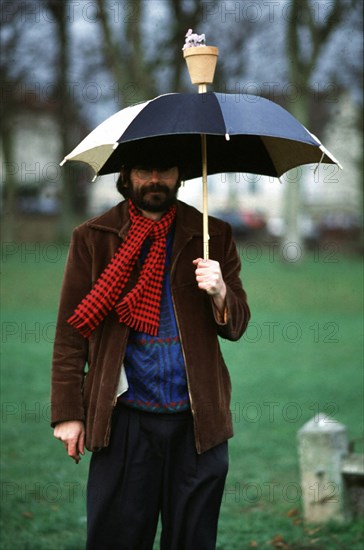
(243, 223)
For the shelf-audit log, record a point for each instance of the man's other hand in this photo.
(72, 435)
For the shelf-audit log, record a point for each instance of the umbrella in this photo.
(240, 133)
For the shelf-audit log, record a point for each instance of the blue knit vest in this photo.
(155, 366)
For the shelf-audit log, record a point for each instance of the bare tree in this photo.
(308, 33)
(23, 53)
(150, 62)
(124, 53)
(65, 111)
(10, 77)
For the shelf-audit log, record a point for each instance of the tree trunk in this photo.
(293, 242)
(303, 57)
(65, 119)
(10, 169)
(126, 57)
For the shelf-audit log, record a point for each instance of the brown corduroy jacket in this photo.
(85, 372)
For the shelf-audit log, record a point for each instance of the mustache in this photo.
(154, 188)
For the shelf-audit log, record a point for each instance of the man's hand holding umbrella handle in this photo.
(209, 278)
(72, 435)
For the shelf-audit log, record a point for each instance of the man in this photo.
(153, 406)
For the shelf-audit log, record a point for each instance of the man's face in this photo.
(154, 189)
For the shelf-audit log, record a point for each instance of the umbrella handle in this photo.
(204, 199)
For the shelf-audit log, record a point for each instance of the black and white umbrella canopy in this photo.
(244, 133)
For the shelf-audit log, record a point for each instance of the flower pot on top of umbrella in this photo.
(201, 60)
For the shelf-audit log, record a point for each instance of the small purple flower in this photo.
(192, 40)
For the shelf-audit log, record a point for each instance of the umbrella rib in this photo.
(262, 139)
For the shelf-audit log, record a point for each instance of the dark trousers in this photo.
(151, 467)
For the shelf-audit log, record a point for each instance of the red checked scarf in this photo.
(140, 308)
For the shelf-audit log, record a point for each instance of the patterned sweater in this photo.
(155, 366)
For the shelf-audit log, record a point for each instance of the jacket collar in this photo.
(116, 220)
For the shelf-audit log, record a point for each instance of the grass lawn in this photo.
(301, 355)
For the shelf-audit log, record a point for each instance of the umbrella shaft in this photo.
(204, 199)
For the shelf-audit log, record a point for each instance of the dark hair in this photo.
(123, 181)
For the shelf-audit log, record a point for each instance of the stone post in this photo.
(322, 446)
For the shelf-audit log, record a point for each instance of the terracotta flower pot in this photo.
(201, 63)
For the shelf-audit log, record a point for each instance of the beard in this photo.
(155, 197)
